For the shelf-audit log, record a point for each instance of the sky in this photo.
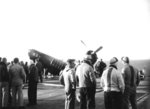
(56, 28)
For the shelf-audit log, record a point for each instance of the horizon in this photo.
(21, 58)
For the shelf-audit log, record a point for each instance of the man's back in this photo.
(116, 80)
(126, 74)
(4, 75)
(86, 76)
(131, 81)
(131, 77)
(17, 74)
(39, 66)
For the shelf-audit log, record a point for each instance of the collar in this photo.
(114, 66)
(87, 62)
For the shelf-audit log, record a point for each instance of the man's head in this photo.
(71, 63)
(4, 60)
(113, 61)
(125, 60)
(16, 60)
(91, 57)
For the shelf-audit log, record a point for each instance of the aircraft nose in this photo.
(32, 54)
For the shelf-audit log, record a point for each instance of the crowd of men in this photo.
(12, 78)
(119, 87)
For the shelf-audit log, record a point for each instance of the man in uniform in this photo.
(113, 85)
(131, 79)
(67, 78)
(87, 81)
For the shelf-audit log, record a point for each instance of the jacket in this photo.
(128, 71)
(116, 80)
(17, 75)
(69, 79)
(33, 73)
(85, 75)
(4, 74)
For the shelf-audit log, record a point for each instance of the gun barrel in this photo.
(98, 49)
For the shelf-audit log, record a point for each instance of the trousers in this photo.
(4, 94)
(70, 100)
(32, 93)
(87, 97)
(17, 90)
(113, 100)
(129, 97)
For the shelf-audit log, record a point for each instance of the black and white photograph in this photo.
(82, 54)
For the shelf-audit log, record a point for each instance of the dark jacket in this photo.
(39, 66)
(4, 75)
(131, 76)
(33, 73)
(99, 67)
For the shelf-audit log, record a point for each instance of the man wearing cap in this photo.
(131, 79)
(113, 85)
(69, 82)
(87, 81)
